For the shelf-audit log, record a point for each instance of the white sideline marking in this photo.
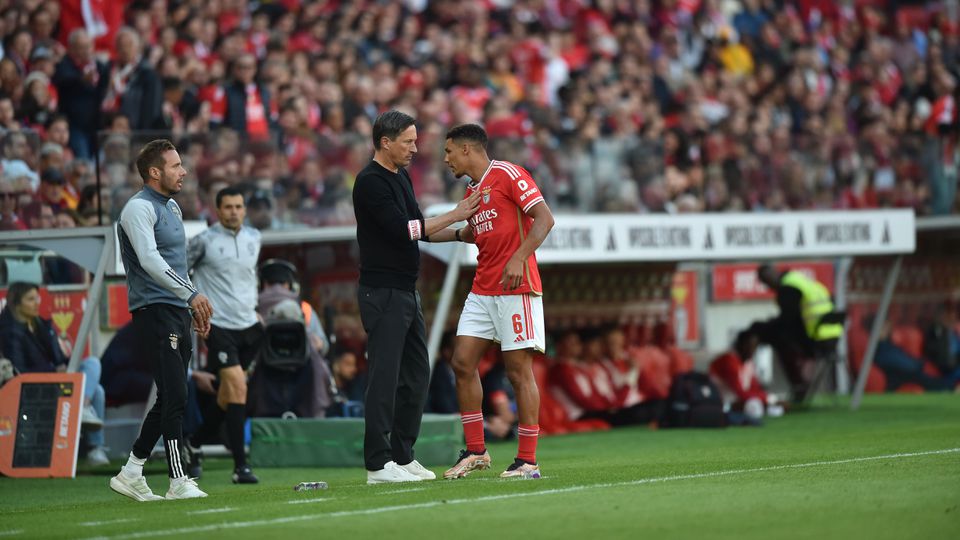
(431, 504)
(305, 501)
(107, 522)
(212, 511)
(12, 532)
(394, 492)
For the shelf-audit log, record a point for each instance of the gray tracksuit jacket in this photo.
(224, 265)
(153, 248)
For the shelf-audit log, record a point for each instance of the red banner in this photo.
(118, 310)
(685, 308)
(736, 282)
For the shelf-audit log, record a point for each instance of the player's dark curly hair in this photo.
(468, 132)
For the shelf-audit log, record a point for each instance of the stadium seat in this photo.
(909, 338)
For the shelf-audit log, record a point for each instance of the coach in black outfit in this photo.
(389, 225)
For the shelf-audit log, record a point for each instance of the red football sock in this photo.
(527, 437)
(473, 431)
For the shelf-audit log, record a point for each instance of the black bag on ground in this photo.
(694, 402)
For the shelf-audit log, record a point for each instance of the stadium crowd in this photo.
(614, 106)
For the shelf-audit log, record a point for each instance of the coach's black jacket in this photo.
(384, 204)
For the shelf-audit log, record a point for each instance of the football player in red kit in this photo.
(505, 304)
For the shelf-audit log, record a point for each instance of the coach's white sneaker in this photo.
(184, 488)
(391, 472)
(418, 470)
(135, 488)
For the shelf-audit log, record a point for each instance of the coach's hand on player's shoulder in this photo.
(467, 207)
(512, 274)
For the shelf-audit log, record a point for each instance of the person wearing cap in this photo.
(53, 190)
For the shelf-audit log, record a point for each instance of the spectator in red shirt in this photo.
(243, 104)
(735, 375)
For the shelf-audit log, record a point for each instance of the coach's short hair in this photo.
(151, 155)
(469, 132)
(229, 191)
(390, 124)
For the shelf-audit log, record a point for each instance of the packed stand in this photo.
(649, 106)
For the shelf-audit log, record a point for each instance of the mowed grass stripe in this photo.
(506, 496)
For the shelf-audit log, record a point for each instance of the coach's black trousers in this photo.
(399, 374)
(163, 336)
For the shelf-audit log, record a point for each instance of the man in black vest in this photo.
(389, 225)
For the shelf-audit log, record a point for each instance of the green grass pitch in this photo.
(891, 470)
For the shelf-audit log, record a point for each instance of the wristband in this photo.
(457, 234)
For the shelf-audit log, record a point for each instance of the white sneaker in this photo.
(97, 456)
(391, 472)
(136, 488)
(418, 470)
(89, 419)
(184, 489)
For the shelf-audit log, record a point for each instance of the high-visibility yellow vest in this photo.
(815, 304)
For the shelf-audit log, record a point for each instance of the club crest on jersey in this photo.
(485, 195)
(174, 340)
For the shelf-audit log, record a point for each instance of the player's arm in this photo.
(137, 220)
(463, 234)
(542, 223)
(395, 223)
(196, 249)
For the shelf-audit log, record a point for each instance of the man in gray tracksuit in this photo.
(223, 259)
(161, 297)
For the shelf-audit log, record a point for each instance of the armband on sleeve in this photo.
(415, 229)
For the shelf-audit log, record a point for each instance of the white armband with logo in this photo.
(415, 229)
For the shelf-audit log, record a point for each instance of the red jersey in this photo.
(737, 379)
(501, 224)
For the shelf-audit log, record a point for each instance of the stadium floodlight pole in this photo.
(878, 321)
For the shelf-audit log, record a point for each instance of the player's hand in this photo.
(202, 311)
(204, 381)
(467, 207)
(512, 274)
(202, 330)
